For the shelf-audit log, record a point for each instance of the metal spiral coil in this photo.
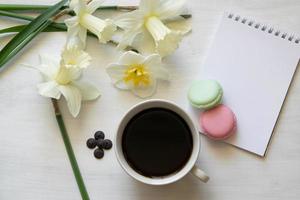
(265, 28)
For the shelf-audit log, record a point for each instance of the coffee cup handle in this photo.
(196, 171)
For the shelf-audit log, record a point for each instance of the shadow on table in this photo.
(188, 188)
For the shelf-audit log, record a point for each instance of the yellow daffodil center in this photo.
(71, 63)
(138, 75)
(63, 76)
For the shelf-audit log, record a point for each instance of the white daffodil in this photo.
(137, 73)
(75, 57)
(84, 20)
(155, 27)
(60, 79)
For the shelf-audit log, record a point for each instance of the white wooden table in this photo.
(33, 160)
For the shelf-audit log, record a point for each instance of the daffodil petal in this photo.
(73, 21)
(170, 8)
(166, 41)
(144, 43)
(93, 6)
(115, 71)
(129, 21)
(75, 73)
(122, 85)
(127, 39)
(169, 44)
(108, 31)
(132, 25)
(67, 75)
(153, 62)
(103, 29)
(78, 6)
(131, 58)
(48, 66)
(74, 31)
(49, 89)
(87, 90)
(73, 98)
(82, 32)
(180, 24)
(84, 60)
(73, 41)
(75, 57)
(72, 4)
(149, 6)
(73, 37)
(145, 92)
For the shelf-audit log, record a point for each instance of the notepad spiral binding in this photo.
(265, 28)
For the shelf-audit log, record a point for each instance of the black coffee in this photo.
(157, 142)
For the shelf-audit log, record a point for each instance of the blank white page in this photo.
(255, 66)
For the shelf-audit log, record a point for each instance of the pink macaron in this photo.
(218, 123)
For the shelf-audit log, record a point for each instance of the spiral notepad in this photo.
(255, 65)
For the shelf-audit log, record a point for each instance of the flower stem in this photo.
(15, 7)
(60, 26)
(70, 152)
(128, 8)
(21, 7)
(186, 16)
(14, 15)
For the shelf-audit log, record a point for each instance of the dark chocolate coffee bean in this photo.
(100, 143)
(99, 135)
(98, 153)
(107, 144)
(91, 143)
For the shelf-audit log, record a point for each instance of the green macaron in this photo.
(205, 94)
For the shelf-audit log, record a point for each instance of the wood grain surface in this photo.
(34, 163)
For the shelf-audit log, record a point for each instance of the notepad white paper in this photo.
(255, 66)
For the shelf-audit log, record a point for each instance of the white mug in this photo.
(190, 164)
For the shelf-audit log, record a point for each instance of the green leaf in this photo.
(10, 54)
(54, 26)
(70, 152)
(21, 7)
(29, 32)
(61, 28)
(28, 7)
(13, 29)
(16, 29)
(15, 15)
